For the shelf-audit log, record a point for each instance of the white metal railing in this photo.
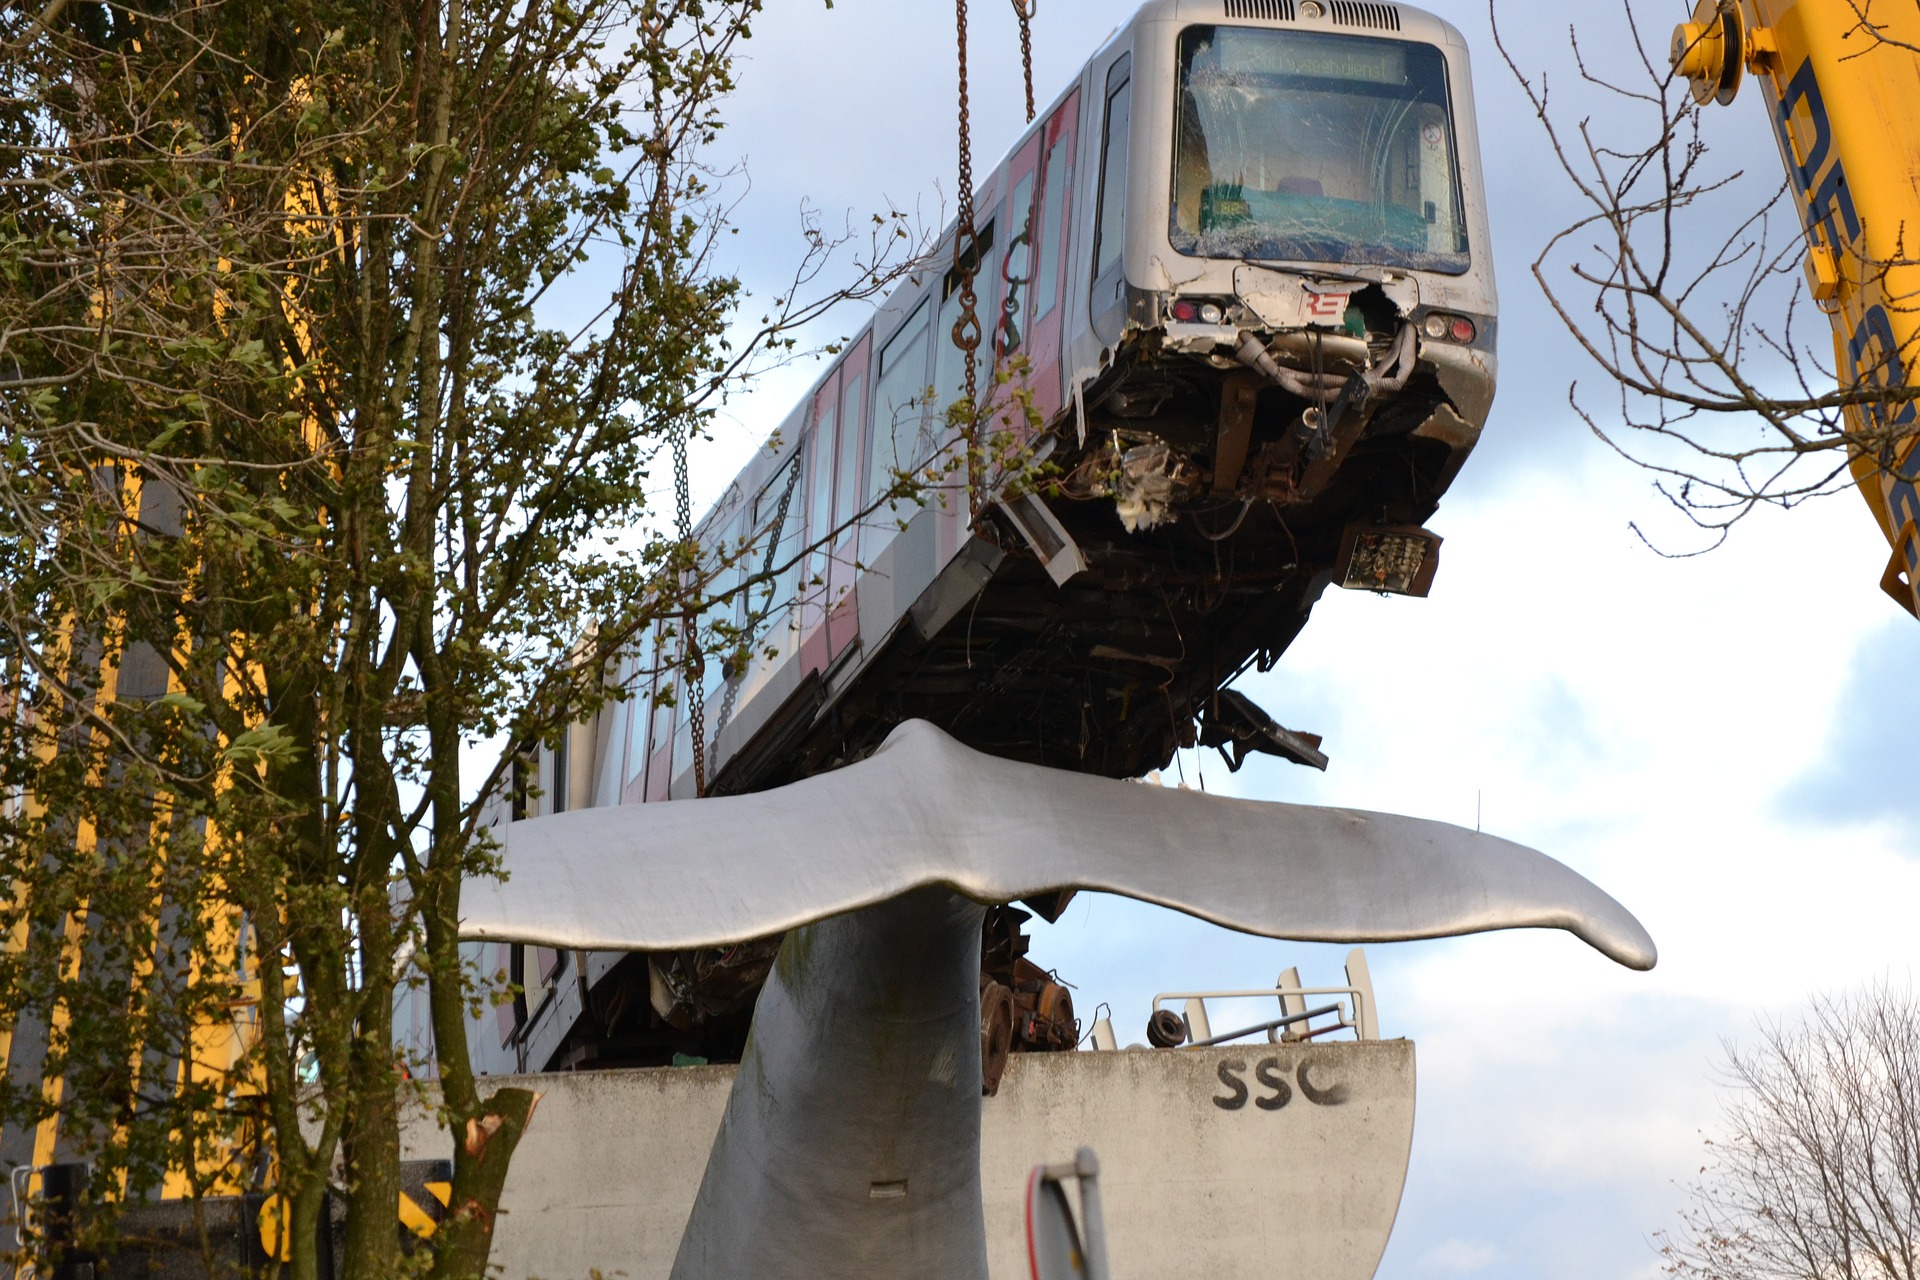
(1350, 1013)
(1352, 1008)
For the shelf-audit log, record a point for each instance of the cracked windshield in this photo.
(1316, 148)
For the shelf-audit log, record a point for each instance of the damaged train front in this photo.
(1302, 330)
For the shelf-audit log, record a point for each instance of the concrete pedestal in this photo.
(1283, 1162)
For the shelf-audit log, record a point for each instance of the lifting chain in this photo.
(966, 256)
(966, 244)
(1023, 11)
(695, 666)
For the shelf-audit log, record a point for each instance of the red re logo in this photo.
(1326, 306)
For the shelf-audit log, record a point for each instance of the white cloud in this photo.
(1455, 1257)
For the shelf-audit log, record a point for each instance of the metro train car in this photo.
(1242, 266)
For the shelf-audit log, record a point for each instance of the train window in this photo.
(1016, 270)
(899, 402)
(1053, 226)
(729, 585)
(716, 666)
(819, 482)
(820, 477)
(725, 609)
(1110, 236)
(660, 712)
(639, 709)
(777, 538)
(846, 489)
(1317, 148)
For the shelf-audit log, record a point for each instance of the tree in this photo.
(1684, 283)
(311, 491)
(1818, 1174)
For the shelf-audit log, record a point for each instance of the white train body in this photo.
(1244, 259)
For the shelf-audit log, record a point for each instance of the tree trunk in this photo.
(480, 1163)
(304, 1224)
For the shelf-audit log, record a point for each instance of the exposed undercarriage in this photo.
(1200, 506)
(1210, 505)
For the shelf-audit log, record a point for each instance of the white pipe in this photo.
(1400, 360)
(1198, 1028)
(1308, 386)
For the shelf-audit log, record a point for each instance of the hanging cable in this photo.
(966, 259)
(695, 663)
(966, 245)
(1023, 11)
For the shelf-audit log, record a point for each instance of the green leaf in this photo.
(267, 744)
(166, 437)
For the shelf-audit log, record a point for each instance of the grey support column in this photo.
(851, 1141)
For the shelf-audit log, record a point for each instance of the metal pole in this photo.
(1093, 1225)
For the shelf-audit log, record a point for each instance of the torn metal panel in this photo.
(1291, 299)
(1045, 535)
(1237, 398)
(1237, 728)
(1466, 374)
(960, 583)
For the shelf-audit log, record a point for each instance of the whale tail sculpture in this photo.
(851, 1137)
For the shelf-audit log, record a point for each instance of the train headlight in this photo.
(1197, 311)
(1443, 324)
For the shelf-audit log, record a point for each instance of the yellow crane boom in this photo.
(1841, 79)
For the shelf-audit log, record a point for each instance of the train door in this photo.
(849, 488)
(772, 611)
(1034, 267)
(680, 775)
(1053, 215)
(816, 582)
(1014, 285)
(896, 428)
(638, 712)
(1108, 298)
(721, 679)
(949, 500)
(659, 744)
(1015, 257)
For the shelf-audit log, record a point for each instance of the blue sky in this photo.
(1721, 742)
